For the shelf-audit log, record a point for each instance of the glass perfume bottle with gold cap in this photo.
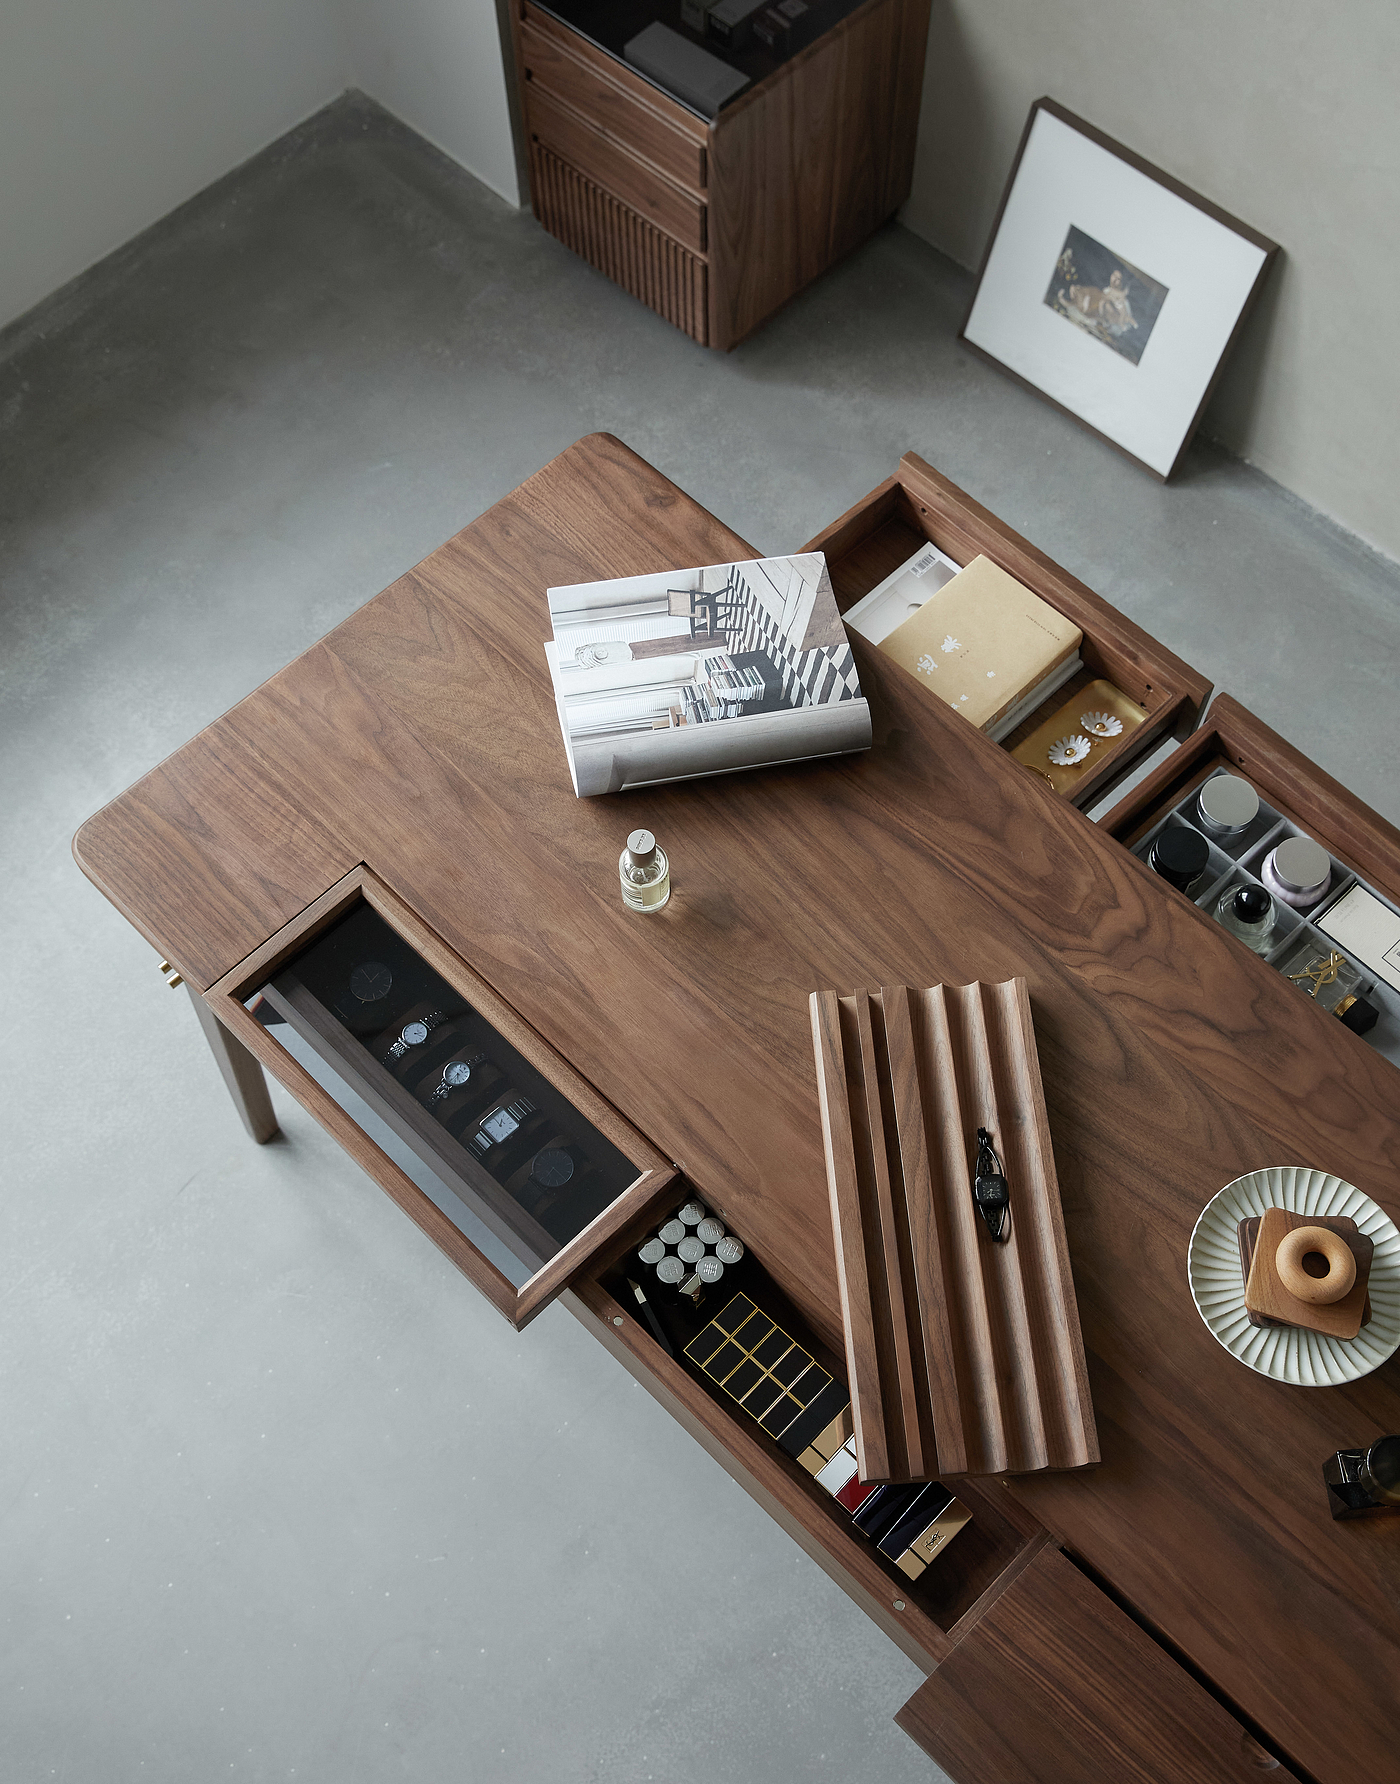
(645, 873)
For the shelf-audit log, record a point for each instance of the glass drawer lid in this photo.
(514, 1147)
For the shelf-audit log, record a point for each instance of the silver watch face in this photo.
(500, 1124)
(415, 1033)
(456, 1074)
(371, 981)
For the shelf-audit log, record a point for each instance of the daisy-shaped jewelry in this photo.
(1066, 751)
(1101, 724)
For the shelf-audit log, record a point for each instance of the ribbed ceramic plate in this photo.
(1287, 1353)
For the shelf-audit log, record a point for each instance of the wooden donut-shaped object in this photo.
(1318, 1291)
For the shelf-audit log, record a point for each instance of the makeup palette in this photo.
(808, 1412)
(776, 1381)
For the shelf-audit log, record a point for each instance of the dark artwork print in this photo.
(1105, 296)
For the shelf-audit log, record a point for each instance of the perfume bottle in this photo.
(1327, 977)
(1180, 856)
(1225, 807)
(1248, 913)
(1298, 872)
(645, 873)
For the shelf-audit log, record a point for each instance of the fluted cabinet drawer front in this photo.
(639, 186)
(623, 246)
(605, 103)
(1056, 1685)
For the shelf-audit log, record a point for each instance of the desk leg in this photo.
(241, 1072)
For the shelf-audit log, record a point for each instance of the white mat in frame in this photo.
(1191, 271)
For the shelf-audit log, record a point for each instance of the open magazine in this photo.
(705, 671)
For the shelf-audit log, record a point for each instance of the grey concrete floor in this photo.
(281, 1497)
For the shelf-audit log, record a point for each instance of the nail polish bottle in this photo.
(645, 873)
(1225, 807)
(1298, 872)
(1248, 913)
(1180, 856)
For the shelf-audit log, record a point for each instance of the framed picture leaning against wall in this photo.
(1111, 289)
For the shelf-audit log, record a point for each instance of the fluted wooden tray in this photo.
(965, 1355)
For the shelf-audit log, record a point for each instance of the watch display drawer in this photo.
(467, 1116)
(1296, 799)
(917, 505)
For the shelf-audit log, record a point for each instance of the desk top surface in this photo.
(421, 738)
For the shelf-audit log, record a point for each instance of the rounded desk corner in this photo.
(84, 831)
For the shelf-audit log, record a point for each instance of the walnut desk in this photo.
(1185, 1611)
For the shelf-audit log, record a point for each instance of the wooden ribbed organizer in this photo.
(965, 1355)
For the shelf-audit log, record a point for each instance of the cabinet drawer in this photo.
(1296, 797)
(650, 194)
(508, 1159)
(917, 504)
(923, 1612)
(1056, 1685)
(599, 97)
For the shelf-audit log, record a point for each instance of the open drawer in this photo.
(1296, 799)
(508, 1159)
(1057, 1685)
(924, 1611)
(918, 504)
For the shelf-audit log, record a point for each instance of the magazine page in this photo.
(703, 671)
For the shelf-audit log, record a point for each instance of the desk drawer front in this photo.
(664, 205)
(485, 1135)
(563, 75)
(1055, 1685)
(622, 245)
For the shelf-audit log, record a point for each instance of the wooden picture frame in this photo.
(654, 1174)
(1149, 420)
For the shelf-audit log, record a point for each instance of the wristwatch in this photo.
(454, 1075)
(501, 1123)
(414, 1034)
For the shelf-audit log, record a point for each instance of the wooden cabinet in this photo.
(917, 504)
(1056, 1685)
(716, 223)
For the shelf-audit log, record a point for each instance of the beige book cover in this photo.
(982, 641)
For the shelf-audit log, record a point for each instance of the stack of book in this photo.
(977, 637)
(722, 692)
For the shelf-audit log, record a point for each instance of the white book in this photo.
(702, 671)
(902, 592)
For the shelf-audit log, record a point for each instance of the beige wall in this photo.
(1287, 113)
(437, 64)
(112, 114)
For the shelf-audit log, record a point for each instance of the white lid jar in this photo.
(1298, 871)
(1226, 806)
